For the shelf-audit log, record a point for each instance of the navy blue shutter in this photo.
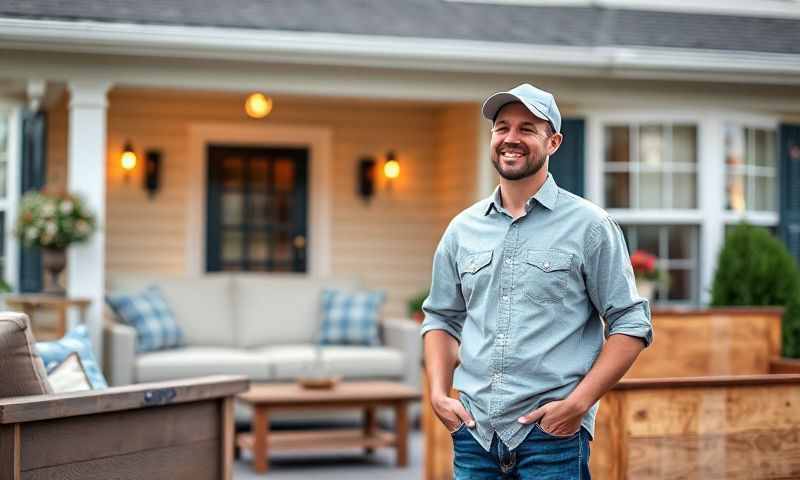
(568, 165)
(33, 177)
(789, 175)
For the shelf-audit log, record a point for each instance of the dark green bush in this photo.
(756, 269)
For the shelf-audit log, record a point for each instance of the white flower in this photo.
(66, 207)
(82, 227)
(51, 229)
(48, 209)
(31, 233)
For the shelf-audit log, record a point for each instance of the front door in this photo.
(256, 209)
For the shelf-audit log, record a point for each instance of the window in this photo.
(676, 247)
(650, 166)
(751, 158)
(256, 209)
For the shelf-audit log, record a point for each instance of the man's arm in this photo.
(441, 359)
(445, 312)
(564, 417)
(611, 287)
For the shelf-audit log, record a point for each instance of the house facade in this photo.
(679, 122)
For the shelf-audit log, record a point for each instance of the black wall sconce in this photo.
(152, 171)
(366, 178)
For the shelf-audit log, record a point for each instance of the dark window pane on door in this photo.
(256, 208)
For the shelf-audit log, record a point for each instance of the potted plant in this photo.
(52, 222)
(415, 306)
(648, 276)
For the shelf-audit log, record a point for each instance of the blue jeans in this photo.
(540, 456)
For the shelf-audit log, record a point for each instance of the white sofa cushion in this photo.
(203, 306)
(363, 362)
(280, 309)
(198, 361)
(288, 361)
(352, 362)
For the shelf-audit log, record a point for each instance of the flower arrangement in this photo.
(53, 220)
(644, 265)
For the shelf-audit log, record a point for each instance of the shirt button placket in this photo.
(504, 319)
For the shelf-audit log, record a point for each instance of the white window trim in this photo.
(317, 139)
(12, 111)
(710, 216)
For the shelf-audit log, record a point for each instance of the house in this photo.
(680, 120)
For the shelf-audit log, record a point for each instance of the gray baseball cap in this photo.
(540, 103)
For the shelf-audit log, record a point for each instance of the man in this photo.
(520, 283)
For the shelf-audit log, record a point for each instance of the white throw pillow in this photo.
(69, 376)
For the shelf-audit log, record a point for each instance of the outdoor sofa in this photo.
(263, 326)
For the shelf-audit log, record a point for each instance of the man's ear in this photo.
(554, 142)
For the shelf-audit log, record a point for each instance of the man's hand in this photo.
(451, 413)
(561, 418)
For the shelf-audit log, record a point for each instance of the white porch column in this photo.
(87, 177)
(711, 193)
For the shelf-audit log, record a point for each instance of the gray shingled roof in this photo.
(575, 26)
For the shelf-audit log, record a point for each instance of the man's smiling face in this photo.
(520, 142)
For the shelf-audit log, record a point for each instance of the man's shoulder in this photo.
(475, 211)
(577, 206)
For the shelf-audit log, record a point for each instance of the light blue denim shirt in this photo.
(525, 298)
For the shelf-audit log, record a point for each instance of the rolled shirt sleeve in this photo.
(611, 284)
(444, 308)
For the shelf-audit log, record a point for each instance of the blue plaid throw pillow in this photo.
(149, 314)
(350, 318)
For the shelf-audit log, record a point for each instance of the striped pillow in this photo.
(148, 313)
(350, 318)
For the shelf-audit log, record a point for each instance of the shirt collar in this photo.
(546, 196)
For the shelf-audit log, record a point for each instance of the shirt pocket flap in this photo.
(476, 261)
(549, 260)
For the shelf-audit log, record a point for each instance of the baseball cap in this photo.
(539, 102)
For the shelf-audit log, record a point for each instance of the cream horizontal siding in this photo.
(457, 165)
(387, 242)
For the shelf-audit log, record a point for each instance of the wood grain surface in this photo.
(195, 461)
(710, 342)
(42, 407)
(77, 439)
(345, 393)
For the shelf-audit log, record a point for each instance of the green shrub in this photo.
(755, 269)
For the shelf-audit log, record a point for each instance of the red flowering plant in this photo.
(644, 265)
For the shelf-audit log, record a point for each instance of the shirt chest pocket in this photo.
(546, 275)
(474, 272)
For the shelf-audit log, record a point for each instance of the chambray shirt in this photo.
(525, 298)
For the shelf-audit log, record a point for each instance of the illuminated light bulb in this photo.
(128, 158)
(258, 105)
(391, 169)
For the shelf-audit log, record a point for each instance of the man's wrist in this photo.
(580, 402)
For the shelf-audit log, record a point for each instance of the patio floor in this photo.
(353, 464)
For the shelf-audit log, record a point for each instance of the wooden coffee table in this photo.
(365, 396)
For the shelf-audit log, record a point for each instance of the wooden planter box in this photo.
(738, 427)
(702, 402)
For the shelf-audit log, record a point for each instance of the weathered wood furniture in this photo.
(167, 430)
(31, 303)
(367, 396)
(703, 402)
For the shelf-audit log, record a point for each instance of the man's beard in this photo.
(531, 166)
